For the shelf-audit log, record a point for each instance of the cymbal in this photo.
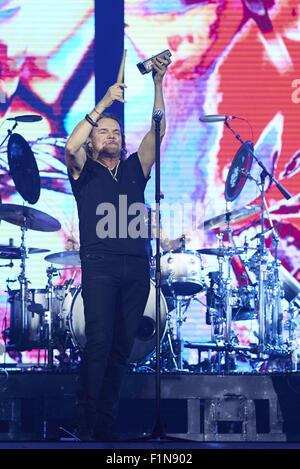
(14, 252)
(28, 217)
(237, 174)
(220, 252)
(23, 168)
(37, 250)
(231, 217)
(64, 258)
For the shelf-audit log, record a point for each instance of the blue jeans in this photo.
(115, 290)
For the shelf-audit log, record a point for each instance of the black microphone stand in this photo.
(159, 429)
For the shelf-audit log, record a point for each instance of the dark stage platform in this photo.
(204, 410)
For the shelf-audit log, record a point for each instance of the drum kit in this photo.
(266, 290)
(52, 318)
(226, 302)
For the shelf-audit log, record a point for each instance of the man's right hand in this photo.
(114, 93)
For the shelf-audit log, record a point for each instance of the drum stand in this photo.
(179, 338)
(51, 332)
(24, 297)
(269, 288)
(49, 315)
(224, 261)
(225, 291)
(23, 288)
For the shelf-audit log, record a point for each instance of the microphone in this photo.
(216, 118)
(26, 118)
(158, 115)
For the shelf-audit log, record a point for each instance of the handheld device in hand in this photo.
(147, 65)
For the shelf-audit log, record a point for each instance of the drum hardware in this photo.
(225, 355)
(55, 315)
(51, 272)
(23, 282)
(11, 264)
(268, 307)
(169, 336)
(291, 326)
(14, 252)
(180, 319)
(225, 280)
(220, 301)
(26, 218)
(270, 292)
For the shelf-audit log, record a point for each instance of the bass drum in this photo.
(145, 340)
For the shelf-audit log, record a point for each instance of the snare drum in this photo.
(181, 273)
(145, 340)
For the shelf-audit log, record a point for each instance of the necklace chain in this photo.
(113, 174)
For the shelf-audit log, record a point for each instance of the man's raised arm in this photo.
(146, 149)
(75, 153)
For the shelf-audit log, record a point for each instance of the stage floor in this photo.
(145, 449)
(198, 411)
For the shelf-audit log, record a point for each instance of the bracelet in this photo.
(99, 113)
(90, 121)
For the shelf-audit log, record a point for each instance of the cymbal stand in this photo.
(277, 314)
(169, 335)
(225, 301)
(51, 271)
(179, 322)
(23, 285)
(292, 339)
(224, 261)
(269, 291)
(262, 272)
(275, 333)
(228, 286)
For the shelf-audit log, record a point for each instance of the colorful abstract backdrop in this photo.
(239, 58)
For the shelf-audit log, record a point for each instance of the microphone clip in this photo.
(157, 115)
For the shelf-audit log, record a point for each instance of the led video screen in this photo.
(229, 58)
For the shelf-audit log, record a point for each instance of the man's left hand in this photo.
(160, 65)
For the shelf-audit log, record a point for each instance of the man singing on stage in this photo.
(115, 265)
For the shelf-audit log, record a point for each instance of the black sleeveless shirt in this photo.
(108, 222)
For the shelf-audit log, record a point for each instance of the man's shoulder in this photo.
(133, 156)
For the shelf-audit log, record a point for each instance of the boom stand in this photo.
(158, 432)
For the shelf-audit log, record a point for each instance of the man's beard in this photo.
(108, 152)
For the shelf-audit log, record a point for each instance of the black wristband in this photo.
(90, 121)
